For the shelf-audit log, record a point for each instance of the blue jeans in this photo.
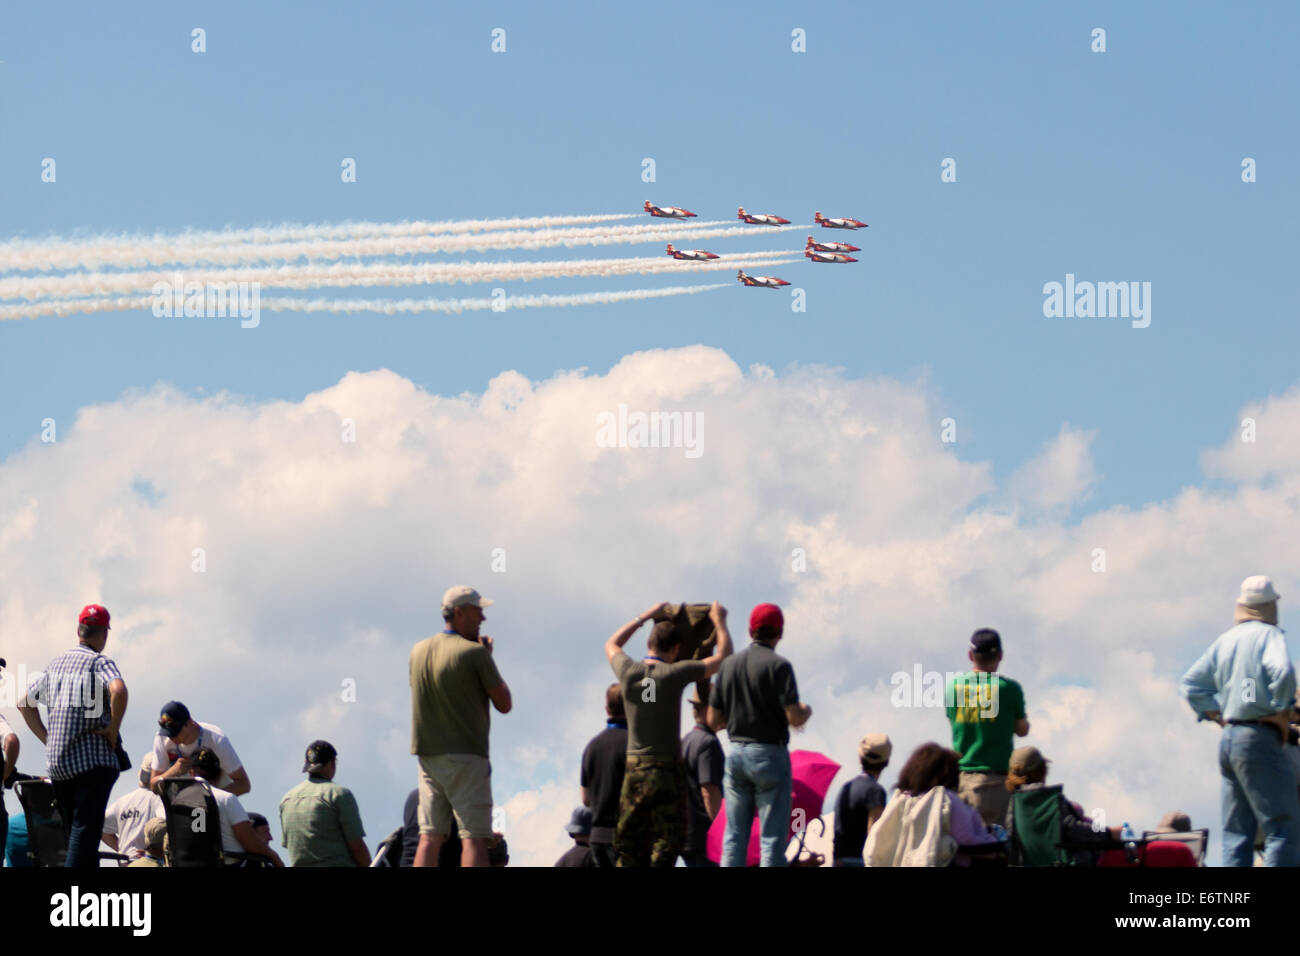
(82, 802)
(1259, 789)
(757, 776)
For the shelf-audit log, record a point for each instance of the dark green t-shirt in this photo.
(652, 697)
(983, 709)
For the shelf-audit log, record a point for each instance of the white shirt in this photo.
(166, 751)
(126, 816)
(231, 812)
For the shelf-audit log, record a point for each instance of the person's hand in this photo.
(486, 642)
(1215, 716)
(180, 767)
(108, 733)
(718, 613)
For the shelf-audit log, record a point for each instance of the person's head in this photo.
(698, 709)
(1028, 765)
(665, 641)
(985, 650)
(579, 826)
(1257, 600)
(206, 764)
(175, 722)
(93, 627)
(931, 765)
(321, 759)
(146, 770)
(766, 624)
(614, 709)
(873, 753)
(1175, 821)
(462, 610)
(261, 827)
(155, 835)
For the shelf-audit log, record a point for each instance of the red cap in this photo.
(95, 615)
(766, 615)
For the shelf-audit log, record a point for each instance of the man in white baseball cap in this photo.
(453, 677)
(1245, 683)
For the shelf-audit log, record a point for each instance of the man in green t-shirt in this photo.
(319, 819)
(453, 679)
(987, 711)
(651, 828)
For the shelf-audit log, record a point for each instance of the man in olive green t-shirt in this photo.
(319, 820)
(987, 713)
(651, 827)
(453, 677)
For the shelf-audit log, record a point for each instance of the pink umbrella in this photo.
(812, 774)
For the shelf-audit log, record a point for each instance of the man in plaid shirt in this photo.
(80, 743)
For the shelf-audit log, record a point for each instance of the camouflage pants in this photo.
(651, 826)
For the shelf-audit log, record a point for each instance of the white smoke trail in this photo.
(375, 274)
(111, 254)
(348, 306)
(287, 233)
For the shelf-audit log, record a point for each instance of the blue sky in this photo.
(1119, 166)
(1116, 166)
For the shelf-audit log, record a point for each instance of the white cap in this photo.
(461, 596)
(1257, 590)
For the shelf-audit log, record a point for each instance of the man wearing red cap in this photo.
(756, 698)
(85, 696)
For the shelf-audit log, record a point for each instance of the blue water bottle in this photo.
(1130, 843)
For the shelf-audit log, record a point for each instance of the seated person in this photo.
(1028, 771)
(237, 835)
(930, 766)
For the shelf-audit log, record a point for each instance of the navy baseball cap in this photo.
(986, 642)
(173, 719)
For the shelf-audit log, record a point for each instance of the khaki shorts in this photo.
(987, 793)
(458, 785)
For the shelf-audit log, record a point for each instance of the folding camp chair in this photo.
(389, 851)
(47, 832)
(1037, 837)
(193, 822)
(1195, 840)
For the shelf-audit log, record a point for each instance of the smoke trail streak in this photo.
(109, 254)
(346, 230)
(348, 306)
(387, 274)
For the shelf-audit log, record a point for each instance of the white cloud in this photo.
(326, 559)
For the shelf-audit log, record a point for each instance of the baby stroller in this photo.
(47, 833)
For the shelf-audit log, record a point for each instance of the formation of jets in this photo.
(815, 251)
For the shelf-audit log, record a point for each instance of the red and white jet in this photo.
(760, 219)
(828, 256)
(830, 246)
(698, 255)
(762, 282)
(668, 212)
(838, 223)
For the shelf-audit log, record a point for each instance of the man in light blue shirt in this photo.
(1246, 684)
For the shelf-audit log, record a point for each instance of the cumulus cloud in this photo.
(323, 560)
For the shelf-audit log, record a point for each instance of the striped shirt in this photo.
(74, 690)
